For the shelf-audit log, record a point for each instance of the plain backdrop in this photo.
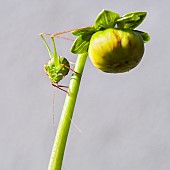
(124, 118)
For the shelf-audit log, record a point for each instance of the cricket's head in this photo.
(57, 67)
(57, 72)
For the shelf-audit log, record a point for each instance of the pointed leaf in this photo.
(106, 19)
(131, 20)
(145, 36)
(81, 44)
(88, 30)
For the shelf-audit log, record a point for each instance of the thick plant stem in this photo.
(66, 116)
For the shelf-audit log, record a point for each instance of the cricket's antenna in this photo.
(53, 115)
(64, 32)
(76, 126)
(67, 31)
(64, 38)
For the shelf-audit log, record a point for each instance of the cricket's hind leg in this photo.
(60, 87)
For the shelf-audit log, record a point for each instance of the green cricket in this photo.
(57, 67)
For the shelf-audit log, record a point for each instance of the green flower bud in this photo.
(116, 50)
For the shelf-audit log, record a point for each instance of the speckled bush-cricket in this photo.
(57, 67)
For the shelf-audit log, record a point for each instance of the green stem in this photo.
(66, 116)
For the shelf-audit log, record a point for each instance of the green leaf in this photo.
(131, 20)
(106, 19)
(81, 44)
(88, 30)
(145, 36)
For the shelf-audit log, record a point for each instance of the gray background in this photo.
(124, 118)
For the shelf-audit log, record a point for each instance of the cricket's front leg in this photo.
(69, 68)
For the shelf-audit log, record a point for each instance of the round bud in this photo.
(116, 50)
